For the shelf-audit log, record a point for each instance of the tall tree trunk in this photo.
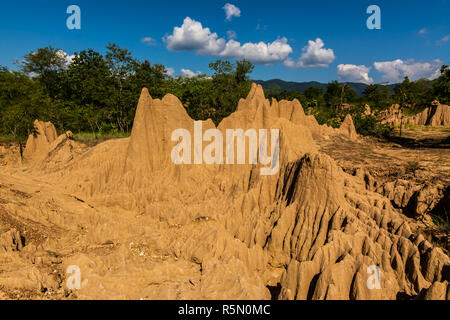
(21, 150)
(401, 125)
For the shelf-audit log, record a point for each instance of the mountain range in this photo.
(302, 86)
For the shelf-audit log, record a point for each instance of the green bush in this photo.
(370, 126)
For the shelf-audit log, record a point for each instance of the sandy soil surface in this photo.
(118, 221)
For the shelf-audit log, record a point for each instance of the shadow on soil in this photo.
(412, 143)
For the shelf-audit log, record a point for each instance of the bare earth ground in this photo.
(421, 155)
(50, 211)
(141, 229)
(61, 226)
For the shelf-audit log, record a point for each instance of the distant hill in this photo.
(302, 86)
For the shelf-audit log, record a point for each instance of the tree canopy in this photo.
(98, 93)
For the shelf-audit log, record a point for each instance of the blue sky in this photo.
(291, 40)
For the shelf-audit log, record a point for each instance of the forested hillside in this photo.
(303, 86)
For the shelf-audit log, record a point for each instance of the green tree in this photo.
(230, 82)
(47, 65)
(152, 77)
(404, 95)
(313, 93)
(89, 89)
(222, 67)
(422, 94)
(198, 98)
(337, 94)
(273, 90)
(314, 97)
(377, 96)
(121, 63)
(243, 69)
(22, 100)
(441, 87)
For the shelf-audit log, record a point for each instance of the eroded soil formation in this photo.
(139, 227)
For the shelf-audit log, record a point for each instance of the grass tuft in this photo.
(442, 223)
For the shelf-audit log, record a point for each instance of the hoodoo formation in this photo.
(435, 115)
(139, 226)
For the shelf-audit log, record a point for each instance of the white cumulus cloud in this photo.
(148, 41)
(259, 53)
(423, 31)
(290, 63)
(170, 71)
(191, 36)
(354, 73)
(443, 40)
(395, 71)
(189, 73)
(315, 55)
(231, 11)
